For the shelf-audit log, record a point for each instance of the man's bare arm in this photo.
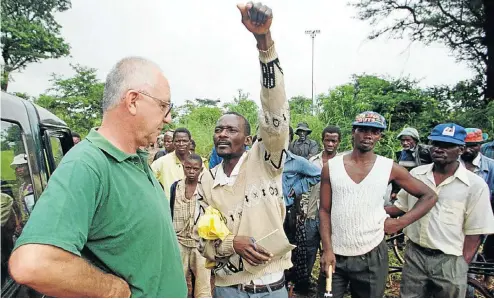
(393, 211)
(58, 273)
(470, 247)
(327, 257)
(427, 198)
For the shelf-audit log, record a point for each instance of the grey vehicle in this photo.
(33, 142)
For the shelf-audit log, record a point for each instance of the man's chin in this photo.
(224, 155)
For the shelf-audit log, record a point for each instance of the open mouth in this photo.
(223, 144)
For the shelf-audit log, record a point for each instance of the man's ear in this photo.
(461, 150)
(248, 141)
(130, 101)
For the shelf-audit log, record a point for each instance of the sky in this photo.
(206, 52)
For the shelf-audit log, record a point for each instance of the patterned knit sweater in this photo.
(254, 205)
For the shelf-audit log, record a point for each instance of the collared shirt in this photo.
(298, 176)
(484, 167)
(475, 162)
(222, 179)
(463, 208)
(105, 203)
(487, 150)
(185, 215)
(306, 148)
(168, 170)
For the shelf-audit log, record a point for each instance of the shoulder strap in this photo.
(173, 190)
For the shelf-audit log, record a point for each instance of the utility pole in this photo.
(313, 34)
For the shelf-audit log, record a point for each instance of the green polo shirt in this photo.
(107, 206)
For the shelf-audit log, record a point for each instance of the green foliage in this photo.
(30, 33)
(76, 100)
(461, 25)
(301, 105)
(201, 121)
(8, 173)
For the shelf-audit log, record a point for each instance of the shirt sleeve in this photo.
(402, 200)
(63, 215)
(275, 113)
(479, 218)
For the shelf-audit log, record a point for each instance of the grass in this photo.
(8, 174)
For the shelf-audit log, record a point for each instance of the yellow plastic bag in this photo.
(212, 225)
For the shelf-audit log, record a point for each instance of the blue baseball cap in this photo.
(450, 133)
(370, 119)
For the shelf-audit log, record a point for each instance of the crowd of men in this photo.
(119, 217)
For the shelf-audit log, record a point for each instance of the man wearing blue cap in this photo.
(353, 220)
(443, 242)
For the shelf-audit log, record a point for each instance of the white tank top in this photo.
(357, 213)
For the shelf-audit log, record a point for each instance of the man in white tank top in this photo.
(353, 221)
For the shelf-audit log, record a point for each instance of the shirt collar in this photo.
(183, 185)
(476, 161)
(102, 143)
(221, 178)
(461, 173)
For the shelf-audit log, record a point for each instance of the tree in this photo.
(207, 102)
(400, 101)
(465, 26)
(76, 100)
(300, 105)
(30, 34)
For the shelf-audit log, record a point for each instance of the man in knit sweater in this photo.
(246, 186)
(352, 215)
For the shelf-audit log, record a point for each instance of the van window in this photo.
(17, 193)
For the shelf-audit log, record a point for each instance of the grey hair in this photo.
(130, 72)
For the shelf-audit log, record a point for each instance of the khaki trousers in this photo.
(192, 260)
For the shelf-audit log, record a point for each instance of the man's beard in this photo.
(469, 157)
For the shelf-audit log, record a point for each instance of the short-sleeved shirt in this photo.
(106, 206)
(487, 149)
(463, 208)
(168, 170)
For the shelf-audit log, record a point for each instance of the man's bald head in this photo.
(130, 73)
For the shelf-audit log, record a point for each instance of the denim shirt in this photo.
(487, 172)
(298, 175)
(487, 149)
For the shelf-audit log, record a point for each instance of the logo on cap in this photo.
(449, 131)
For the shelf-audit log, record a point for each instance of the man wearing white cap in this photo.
(412, 154)
(26, 192)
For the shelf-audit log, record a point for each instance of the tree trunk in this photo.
(5, 80)
(489, 41)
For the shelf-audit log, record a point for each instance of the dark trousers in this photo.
(313, 241)
(364, 274)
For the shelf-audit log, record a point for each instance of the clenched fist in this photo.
(257, 17)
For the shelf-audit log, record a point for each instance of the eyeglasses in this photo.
(164, 106)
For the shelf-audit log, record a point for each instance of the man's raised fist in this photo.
(256, 17)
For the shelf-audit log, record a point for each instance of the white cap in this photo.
(19, 160)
